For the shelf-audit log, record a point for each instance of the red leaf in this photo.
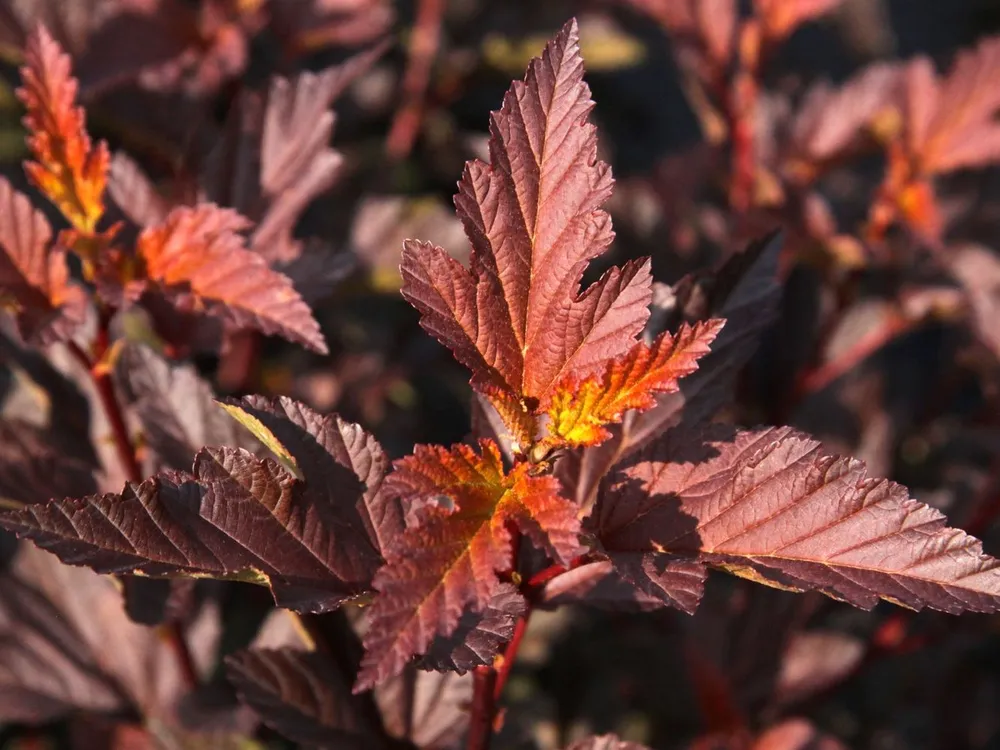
(200, 251)
(34, 277)
(951, 120)
(67, 169)
(316, 541)
(533, 217)
(451, 558)
(770, 506)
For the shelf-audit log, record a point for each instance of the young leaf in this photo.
(34, 277)
(300, 694)
(200, 251)
(67, 168)
(781, 17)
(581, 407)
(769, 505)
(316, 543)
(951, 120)
(533, 216)
(463, 502)
(276, 158)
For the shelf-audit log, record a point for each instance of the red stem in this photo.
(423, 48)
(101, 378)
(510, 654)
(483, 709)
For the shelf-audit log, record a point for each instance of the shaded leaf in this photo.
(55, 654)
(464, 501)
(769, 505)
(34, 278)
(581, 407)
(35, 469)
(814, 661)
(175, 407)
(276, 156)
(479, 634)
(199, 255)
(299, 694)
(533, 216)
(316, 543)
(745, 292)
(978, 271)
(431, 709)
(67, 168)
(134, 193)
(310, 24)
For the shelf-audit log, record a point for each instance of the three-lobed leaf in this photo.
(460, 504)
(533, 215)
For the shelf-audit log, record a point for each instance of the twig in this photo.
(423, 47)
(101, 377)
(483, 708)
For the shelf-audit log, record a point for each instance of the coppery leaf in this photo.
(67, 168)
(533, 216)
(34, 277)
(450, 558)
(769, 505)
(198, 253)
(580, 408)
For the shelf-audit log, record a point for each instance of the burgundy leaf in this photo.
(479, 634)
(430, 709)
(301, 695)
(316, 543)
(769, 505)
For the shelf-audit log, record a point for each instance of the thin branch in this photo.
(424, 45)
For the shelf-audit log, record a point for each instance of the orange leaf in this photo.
(34, 278)
(580, 409)
(199, 252)
(67, 168)
(462, 502)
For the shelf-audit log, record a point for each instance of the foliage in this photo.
(609, 465)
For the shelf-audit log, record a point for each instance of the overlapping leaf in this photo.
(533, 216)
(461, 503)
(199, 254)
(174, 407)
(67, 168)
(66, 645)
(771, 506)
(34, 277)
(430, 709)
(316, 542)
(300, 694)
(580, 408)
